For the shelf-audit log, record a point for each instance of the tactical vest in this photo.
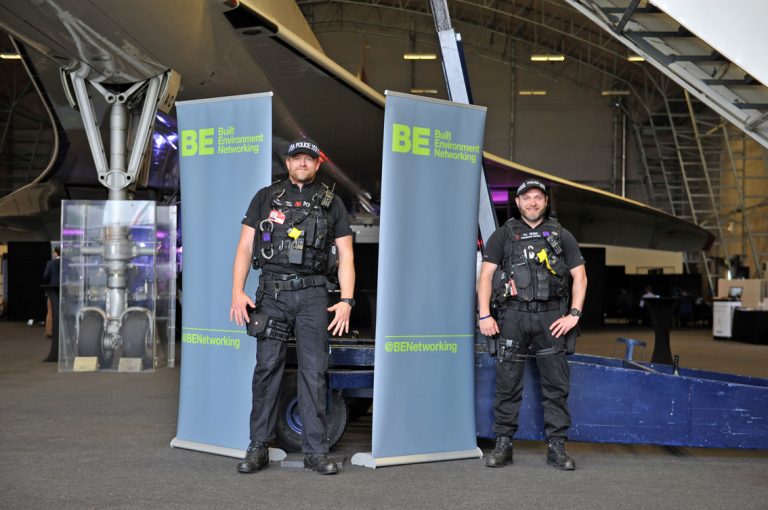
(294, 233)
(534, 260)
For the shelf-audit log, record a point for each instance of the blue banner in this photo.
(225, 147)
(423, 395)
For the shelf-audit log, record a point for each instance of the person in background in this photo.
(51, 276)
(645, 315)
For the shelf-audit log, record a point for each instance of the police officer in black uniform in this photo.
(295, 224)
(534, 271)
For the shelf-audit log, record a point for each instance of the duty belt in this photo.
(275, 281)
(533, 306)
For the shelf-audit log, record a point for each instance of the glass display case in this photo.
(118, 285)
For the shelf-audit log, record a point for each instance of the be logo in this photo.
(197, 141)
(411, 139)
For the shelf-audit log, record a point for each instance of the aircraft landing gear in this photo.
(134, 337)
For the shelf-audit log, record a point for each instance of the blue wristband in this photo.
(483, 318)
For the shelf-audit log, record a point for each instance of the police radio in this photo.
(327, 196)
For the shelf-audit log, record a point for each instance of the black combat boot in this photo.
(256, 458)
(556, 455)
(321, 463)
(502, 454)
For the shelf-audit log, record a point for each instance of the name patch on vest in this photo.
(530, 235)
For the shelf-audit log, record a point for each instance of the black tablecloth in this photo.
(750, 326)
(661, 309)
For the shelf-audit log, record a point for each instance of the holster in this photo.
(570, 340)
(264, 327)
(513, 351)
(257, 323)
(493, 345)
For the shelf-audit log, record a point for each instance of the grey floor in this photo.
(101, 441)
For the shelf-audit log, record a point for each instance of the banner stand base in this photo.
(275, 454)
(369, 461)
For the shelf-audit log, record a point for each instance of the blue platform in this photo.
(618, 401)
(611, 400)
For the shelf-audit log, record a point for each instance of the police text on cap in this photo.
(531, 183)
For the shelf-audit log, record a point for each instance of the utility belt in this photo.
(271, 282)
(534, 306)
(515, 351)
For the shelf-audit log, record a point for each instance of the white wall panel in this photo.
(735, 28)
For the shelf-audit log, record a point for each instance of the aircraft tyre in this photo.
(90, 337)
(289, 426)
(134, 331)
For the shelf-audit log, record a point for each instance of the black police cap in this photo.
(304, 146)
(531, 184)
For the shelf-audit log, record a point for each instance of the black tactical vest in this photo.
(294, 233)
(534, 260)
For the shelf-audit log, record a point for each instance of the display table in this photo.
(722, 317)
(750, 326)
(661, 314)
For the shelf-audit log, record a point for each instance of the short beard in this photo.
(298, 180)
(537, 218)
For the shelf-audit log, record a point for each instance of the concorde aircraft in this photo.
(237, 47)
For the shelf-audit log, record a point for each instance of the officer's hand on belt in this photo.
(238, 311)
(488, 325)
(563, 325)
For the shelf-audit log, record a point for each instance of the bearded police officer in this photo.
(534, 271)
(295, 225)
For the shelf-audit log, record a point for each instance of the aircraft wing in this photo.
(598, 217)
(221, 50)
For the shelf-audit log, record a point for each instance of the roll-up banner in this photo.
(423, 392)
(225, 157)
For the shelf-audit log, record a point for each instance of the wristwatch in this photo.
(349, 301)
(574, 311)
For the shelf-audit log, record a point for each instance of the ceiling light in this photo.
(532, 93)
(423, 91)
(10, 56)
(419, 56)
(547, 58)
(614, 93)
(635, 58)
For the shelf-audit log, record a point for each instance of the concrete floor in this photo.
(101, 440)
(696, 348)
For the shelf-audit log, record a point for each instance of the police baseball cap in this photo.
(304, 146)
(531, 184)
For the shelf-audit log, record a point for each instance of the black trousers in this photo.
(532, 331)
(306, 311)
(53, 294)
